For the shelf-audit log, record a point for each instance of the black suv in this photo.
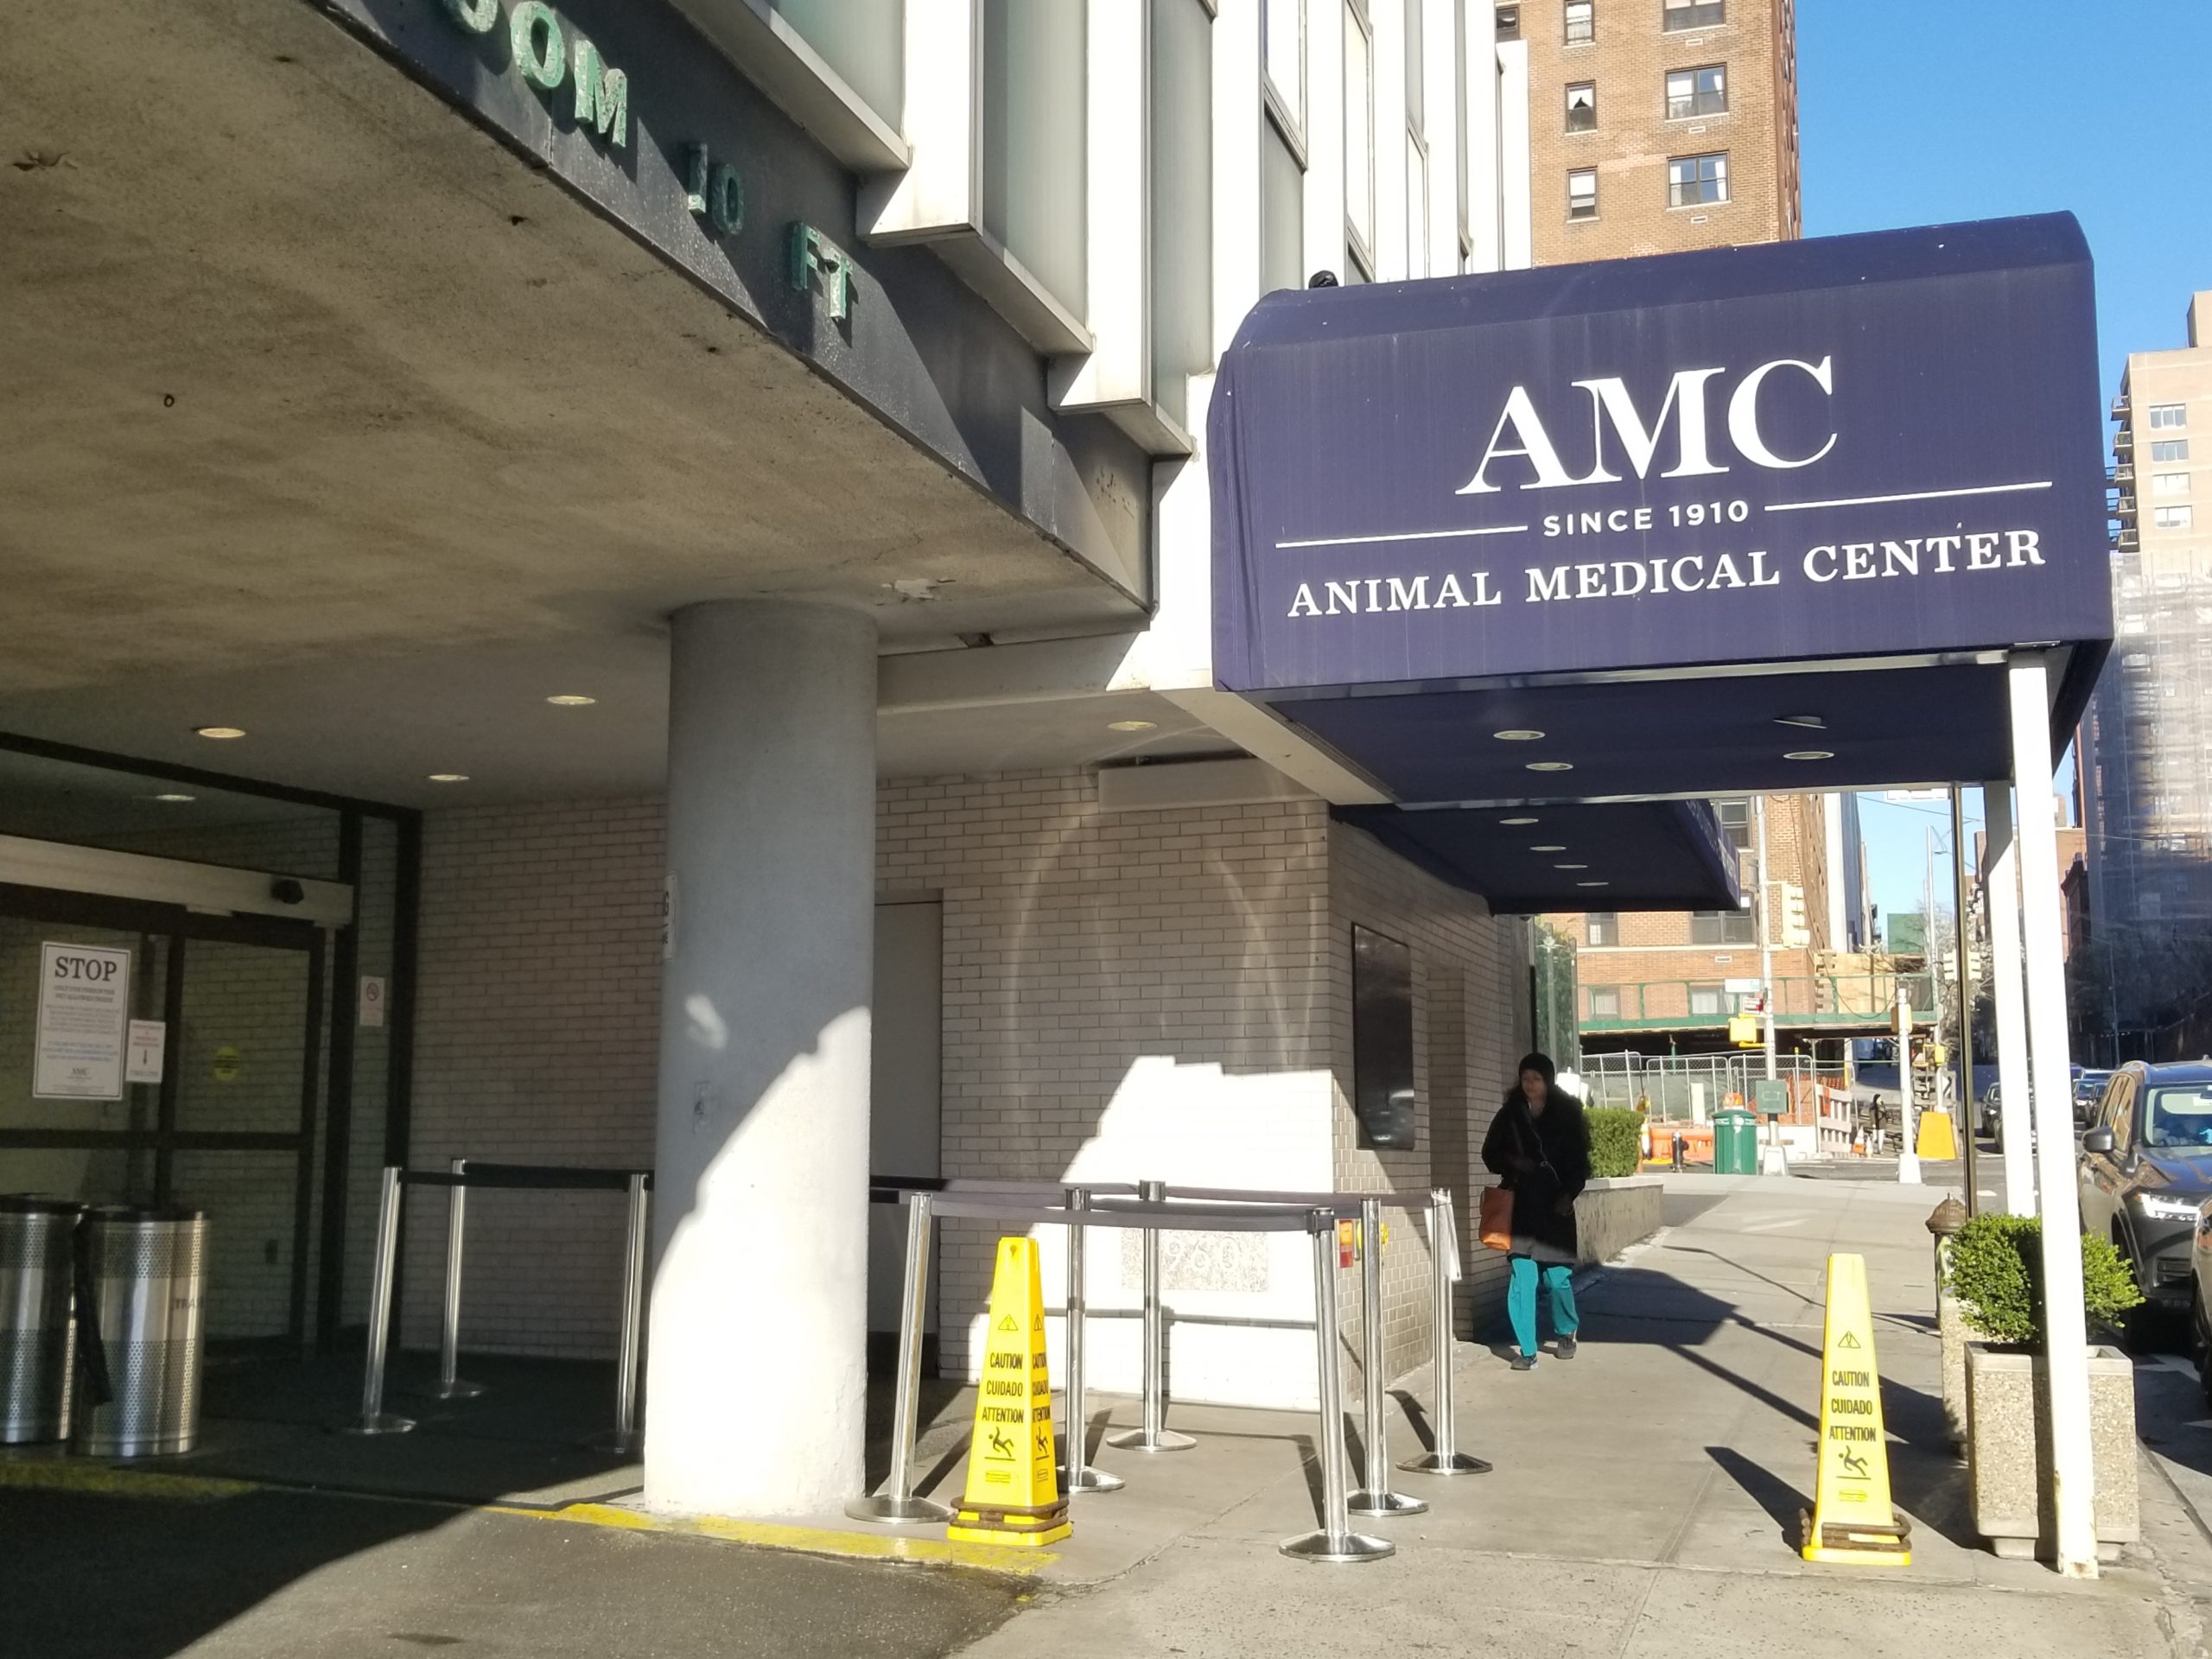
(2146, 1173)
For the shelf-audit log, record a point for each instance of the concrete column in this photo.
(2001, 882)
(2072, 1476)
(758, 1346)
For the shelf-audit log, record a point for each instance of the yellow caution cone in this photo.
(1012, 1494)
(1852, 1519)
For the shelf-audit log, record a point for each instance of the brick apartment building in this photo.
(1660, 125)
(1660, 982)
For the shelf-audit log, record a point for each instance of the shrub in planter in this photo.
(1995, 1272)
(1615, 1140)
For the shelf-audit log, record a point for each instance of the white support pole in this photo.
(2065, 1324)
(2001, 893)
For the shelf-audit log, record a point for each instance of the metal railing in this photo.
(461, 1174)
(1160, 1207)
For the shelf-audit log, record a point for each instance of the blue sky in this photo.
(1922, 111)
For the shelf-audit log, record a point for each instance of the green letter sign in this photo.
(602, 95)
(539, 53)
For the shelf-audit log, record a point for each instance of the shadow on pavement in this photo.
(1784, 1504)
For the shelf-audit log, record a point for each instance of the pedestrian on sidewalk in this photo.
(1539, 1147)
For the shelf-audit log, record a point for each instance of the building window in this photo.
(2169, 450)
(2168, 417)
(1735, 822)
(1710, 1001)
(1282, 209)
(1697, 91)
(1582, 106)
(1694, 14)
(1359, 132)
(1606, 1002)
(1283, 56)
(1582, 192)
(2173, 518)
(1602, 927)
(1721, 927)
(1581, 21)
(1697, 180)
(2169, 483)
(1508, 22)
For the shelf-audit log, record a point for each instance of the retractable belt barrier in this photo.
(1160, 1208)
(461, 1174)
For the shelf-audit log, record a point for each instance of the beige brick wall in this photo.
(1159, 995)
(1471, 1027)
(1633, 140)
(537, 1021)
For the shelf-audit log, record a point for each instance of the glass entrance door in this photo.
(218, 1109)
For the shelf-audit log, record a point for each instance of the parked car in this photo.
(1993, 1118)
(2200, 1302)
(2145, 1174)
(2088, 1088)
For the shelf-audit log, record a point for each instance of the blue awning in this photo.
(1636, 855)
(1753, 518)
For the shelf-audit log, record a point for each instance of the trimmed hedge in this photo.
(1996, 1272)
(1615, 1140)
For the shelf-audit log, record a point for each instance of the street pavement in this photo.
(1646, 1495)
(1644, 1502)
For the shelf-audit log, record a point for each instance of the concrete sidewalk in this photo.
(1646, 1494)
(1644, 1502)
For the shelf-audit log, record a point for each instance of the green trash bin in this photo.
(1735, 1142)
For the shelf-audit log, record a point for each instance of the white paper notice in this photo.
(372, 995)
(83, 1007)
(149, 1039)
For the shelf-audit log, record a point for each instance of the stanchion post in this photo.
(1444, 1235)
(374, 1419)
(1155, 1436)
(896, 1504)
(629, 1362)
(450, 1387)
(1374, 1497)
(1076, 1474)
(1335, 1541)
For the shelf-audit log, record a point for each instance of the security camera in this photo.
(285, 891)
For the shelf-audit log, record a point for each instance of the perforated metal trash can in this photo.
(146, 1270)
(37, 1338)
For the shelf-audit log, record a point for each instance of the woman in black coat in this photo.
(1539, 1147)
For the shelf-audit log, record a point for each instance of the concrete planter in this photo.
(1954, 1333)
(2008, 1450)
(1616, 1211)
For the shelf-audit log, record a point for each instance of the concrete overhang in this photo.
(330, 385)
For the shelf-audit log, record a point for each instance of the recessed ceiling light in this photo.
(170, 794)
(1517, 734)
(219, 732)
(1810, 754)
(1548, 849)
(571, 699)
(1593, 884)
(1131, 725)
(1517, 820)
(1551, 765)
(449, 777)
(1570, 866)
